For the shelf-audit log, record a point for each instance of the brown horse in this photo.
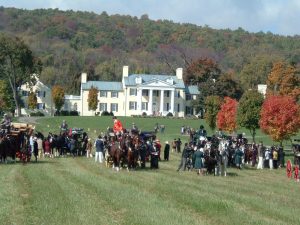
(133, 144)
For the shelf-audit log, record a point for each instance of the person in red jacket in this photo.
(118, 127)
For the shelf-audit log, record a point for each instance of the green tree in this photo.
(32, 100)
(6, 98)
(17, 65)
(212, 107)
(249, 108)
(93, 98)
(58, 96)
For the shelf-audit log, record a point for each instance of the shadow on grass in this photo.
(11, 163)
(232, 174)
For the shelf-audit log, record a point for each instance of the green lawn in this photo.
(79, 191)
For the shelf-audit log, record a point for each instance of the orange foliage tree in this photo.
(226, 118)
(284, 80)
(32, 100)
(58, 96)
(280, 117)
(93, 98)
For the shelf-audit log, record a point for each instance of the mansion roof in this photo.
(103, 85)
(146, 78)
(134, 80)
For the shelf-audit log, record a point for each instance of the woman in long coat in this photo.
(198, 155)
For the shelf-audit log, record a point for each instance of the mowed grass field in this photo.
(80, 191)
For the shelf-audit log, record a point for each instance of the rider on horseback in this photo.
(118, 127)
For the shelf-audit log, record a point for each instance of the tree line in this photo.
(69, 42)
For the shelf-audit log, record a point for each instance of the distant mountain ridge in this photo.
(70, 42)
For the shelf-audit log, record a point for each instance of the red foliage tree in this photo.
(280, 117)
(226, 118)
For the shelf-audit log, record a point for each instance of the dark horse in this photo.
(116, 152)
(133, 143)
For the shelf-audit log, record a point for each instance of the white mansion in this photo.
(137, 94)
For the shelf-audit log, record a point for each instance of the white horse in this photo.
(223, 160)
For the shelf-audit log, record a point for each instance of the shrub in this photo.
(105, 113)
(37, 114)
(111, 114)
(64, 113)
(144, 114)
(74, 113)
(169, 114)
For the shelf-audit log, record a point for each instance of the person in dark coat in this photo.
(143, 154)
(35, 148)
(178, 145)
(238, 157)
(198, 156)
(184, 156)
(166, 151)
(154, 157)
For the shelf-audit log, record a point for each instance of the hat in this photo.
(167, 142)
(157, 140)
(35, 138)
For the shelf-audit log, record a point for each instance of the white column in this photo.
(139, 101)
(161, 107)
(150, 103)
(172, 102)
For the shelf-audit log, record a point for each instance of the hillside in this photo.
(70, 42)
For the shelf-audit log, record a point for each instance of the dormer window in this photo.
(170, 81)
(138, 80)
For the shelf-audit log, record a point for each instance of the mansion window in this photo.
(103, 106)
(75, 107)
(132, 105)
(178, 107)
(155, 93)
(145, 92)
(114, 94)
(145, 106)
(178, 94)
(167, 106)
(40, 106)
(132, 92)
(188, 97)
(114, 107)
(25, 93)
(41, 94)
(103, 94)
(166, 93)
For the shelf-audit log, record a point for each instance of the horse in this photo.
(116, 151)
(133, 151)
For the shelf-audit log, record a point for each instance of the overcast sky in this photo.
(276, 16)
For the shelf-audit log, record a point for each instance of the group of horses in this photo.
(127, 149)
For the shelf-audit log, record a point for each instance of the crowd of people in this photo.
(195, 155)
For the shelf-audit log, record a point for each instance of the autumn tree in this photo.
(93, 98)
(201, 70)
(284, 79)
(226, 117)
(17, 64)
(32, 100)
(280, 117)
(212, 107)
(248, 113)
(58, 96)
(228, 86)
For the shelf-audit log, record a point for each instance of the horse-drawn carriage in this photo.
(13, 142)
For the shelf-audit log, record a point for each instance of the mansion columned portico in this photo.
(137, 94)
